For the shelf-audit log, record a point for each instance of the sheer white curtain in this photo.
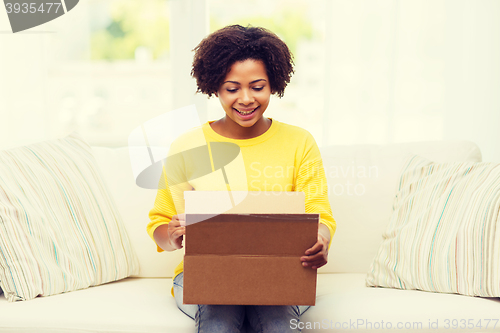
(413, 70)
(30, 63)
(51, 85)
(378, 71)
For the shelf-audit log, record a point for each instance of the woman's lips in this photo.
(248, 115)
(246, 110)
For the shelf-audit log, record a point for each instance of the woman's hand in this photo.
(317, 255)
(177, 230)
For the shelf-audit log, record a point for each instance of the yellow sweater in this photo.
(284, 158)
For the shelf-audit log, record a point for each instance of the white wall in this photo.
(381, 71)
(415, 70)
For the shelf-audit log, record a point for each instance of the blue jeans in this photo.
(230, 318)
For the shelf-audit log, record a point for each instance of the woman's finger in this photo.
(318, 265)
(314, 264)
(174, 223)
(314, 257)
(315, 248)
(178, 242)
(179, 232)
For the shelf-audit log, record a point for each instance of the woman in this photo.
(243, 67)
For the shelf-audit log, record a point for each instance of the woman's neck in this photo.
(229, 129)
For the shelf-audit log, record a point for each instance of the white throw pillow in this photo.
(444, 234)
(60, 230)
(362, 181)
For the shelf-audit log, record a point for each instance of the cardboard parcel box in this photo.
(249, 254)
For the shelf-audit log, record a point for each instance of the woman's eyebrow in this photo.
(236, 82)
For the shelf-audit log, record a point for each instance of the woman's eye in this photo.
(231, 90)
(258, 88)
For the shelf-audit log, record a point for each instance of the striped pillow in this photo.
(59, 228)
(444, 234)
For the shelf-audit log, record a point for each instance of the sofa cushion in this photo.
(361, 218)
(444, 234)
(129, 305)
(60, 228)
(142, 305)
(134, 204)
(345, 304)
(362, 182)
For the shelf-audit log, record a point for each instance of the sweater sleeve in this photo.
(162, 212)
(311, 180)
(170, 196)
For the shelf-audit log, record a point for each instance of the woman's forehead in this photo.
(247, 71)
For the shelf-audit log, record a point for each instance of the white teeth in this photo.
(245, 113)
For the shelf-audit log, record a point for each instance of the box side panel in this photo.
(267, 234)
(248, 280)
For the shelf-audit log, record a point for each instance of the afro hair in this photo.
(216, 53)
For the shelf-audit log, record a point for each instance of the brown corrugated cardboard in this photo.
(250, 259)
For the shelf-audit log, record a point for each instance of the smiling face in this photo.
(244, 96)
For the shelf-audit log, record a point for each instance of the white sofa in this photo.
(362, 181)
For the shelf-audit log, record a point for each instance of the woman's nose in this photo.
(246, 97)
